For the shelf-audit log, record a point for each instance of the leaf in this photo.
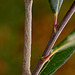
(55, 5)
(61, 53)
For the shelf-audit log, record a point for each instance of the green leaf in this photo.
(60, 55)
(55, 5)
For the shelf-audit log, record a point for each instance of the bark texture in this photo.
(27, 38)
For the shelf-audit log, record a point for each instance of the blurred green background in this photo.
(12, 34)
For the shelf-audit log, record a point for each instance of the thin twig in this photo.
(55, 19)
(27, 38)
(55, 22)
(54, 38)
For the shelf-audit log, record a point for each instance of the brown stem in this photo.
(59, 30)
(27, 38)
(55, 19)
(54, 38)
(55, 22)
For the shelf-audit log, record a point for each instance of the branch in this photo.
(54, 38)
(27, 38)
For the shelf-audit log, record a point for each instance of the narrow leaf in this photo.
(60, 55)
(55, 5)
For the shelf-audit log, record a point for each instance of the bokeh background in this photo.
(12, 34)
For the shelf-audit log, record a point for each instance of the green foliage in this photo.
(61, 53)
(55, 5)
